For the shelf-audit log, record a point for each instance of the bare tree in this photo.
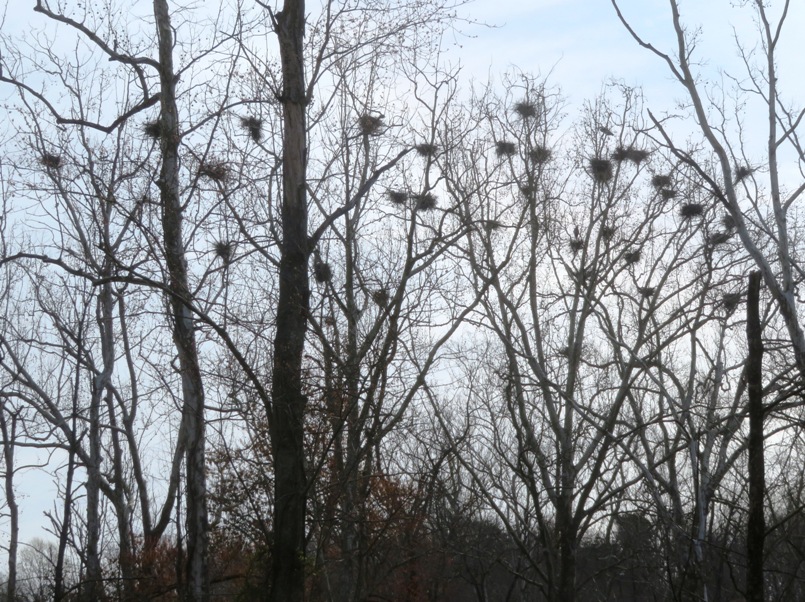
(753, 179)
(740, 179)
(601, 266)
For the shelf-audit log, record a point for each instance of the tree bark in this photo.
(756, 527)
(197, 586)
(9, 436)
(288, 401)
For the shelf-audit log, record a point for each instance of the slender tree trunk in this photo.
(183, 332)
(67, 501)
(756, 527)
(288, 402)
(93, 578)
(351, 577)
(93, 588)
(9, 432)
(567, 550)
(64, 535)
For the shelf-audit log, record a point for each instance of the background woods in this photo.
(292, 311)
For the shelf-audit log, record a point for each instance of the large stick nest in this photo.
(504, 148)
(254, 127)
(540, 154)
(601, 169)
(370, 125)
(525, 109)
(50, 161)
(424, 201)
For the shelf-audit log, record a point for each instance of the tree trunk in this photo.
(9, 435)
(287, 399)
(566, 585)
(197, 586)
(87, 589)
(93, 588)
(756, 527)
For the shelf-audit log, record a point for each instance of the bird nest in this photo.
(525, 109)
(719, 238)
(425, 149)
(661, 181)
(253, 126)
(601, 169)
(631, 257)
(629, 153)
(424, 201)
(742, 172)
(576, 245)
(730, 301)
(398, 197)
(50, 161)
(540, 154)
(504, 148)
(213, 170)
(608, 232)
(225, 250)
(380, 297)
(691, 210)
(370, 125)
(322, 271)
(153, 129)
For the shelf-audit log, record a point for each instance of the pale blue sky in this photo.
(583, 44)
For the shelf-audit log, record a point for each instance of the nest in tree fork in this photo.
(153, 129)
(370, 125)
(214, 171)
(601, 169)
(424, 201)
(576, 245)
(730, 301)
(322, 271)
(254, 127)
(718, 238)
(691, 210)
(635, 155)
(398, 197)
(425, 149)
(381, 297)
(607, 232)
(50, 161)
(525, 109)
(631, 257)
(646, 291)
(728, 222)
(742, 172)
(540, 154)
(661, 181)
(224, 250)
(504, 148)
